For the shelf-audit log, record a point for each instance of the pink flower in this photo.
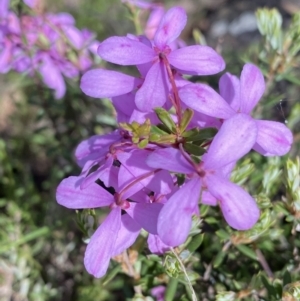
(118, 232)
(201, 60)
(235, 138)
(240, 96)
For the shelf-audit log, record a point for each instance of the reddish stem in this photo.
(173, 84)
(144, 176)
(187, 157)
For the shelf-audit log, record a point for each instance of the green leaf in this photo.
(169, 139)
(219, 259)
(186, 118)
(143, 143)
(159, 129)
(111, 274)
(200, 135)
(171, 289)
(194, 149)
(166, 119)
(286, 278)
(195, 242)
(247, 251)
(223, 234)
(271, 290)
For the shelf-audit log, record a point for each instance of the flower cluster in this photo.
(44, 43)
(176, 146)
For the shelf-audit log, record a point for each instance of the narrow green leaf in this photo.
(171, 289)
(159, 130)
(203, 134)
(271, 290)
(169, 139)
(195, 242)
(194, 149)
(186, 118)
(286, 278)
(223, 234)
(111, 274)
(166, 119)
(44, 231)
(143, 143)
(247, 251)
(219, 259)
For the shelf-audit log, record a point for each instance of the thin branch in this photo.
(264, 263)
(186, 275)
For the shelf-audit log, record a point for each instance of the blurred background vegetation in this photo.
(41, 246)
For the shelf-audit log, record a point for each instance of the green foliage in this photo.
(42, 244)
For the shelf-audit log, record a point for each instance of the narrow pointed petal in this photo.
(169, 159)
(6, 57)
(230, 90)
(95, 147)
(252, 87)
(101, 246)
(239, 208)
(153, 21)
(175, 219)
(127, 235)
(156, 245)
(205, 100)
(200, 60)
(234, 140)
(70, 195)
(74, 36)
(154, 91)
(125, 51)
(102, 83)
(101, 173)
(170, 26)
(4, 6)
(52, 77)
(145, 215)
(273, 138)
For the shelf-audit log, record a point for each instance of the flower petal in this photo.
(200, 60)
(52, 77)
(101, 173)
(95, 147)
(239, 208)
(208, 199)
(133, 166)
(169, 159)
(229, 86)
(124, 103)
(128, 233)
(70, 195)
(273, 138)
(156, 245)
(155, 89)
(235, 139)
(145, 215)
(170, 26)
(205, 100)
(252, 87)
(101, 246)
(102, 83)
(175, 218)
(125, 51)
(4, 6)
(153, 21)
